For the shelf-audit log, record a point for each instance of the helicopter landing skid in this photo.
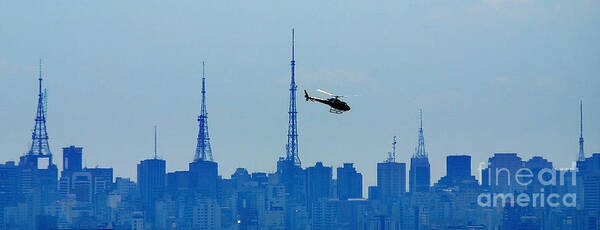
(336, 111)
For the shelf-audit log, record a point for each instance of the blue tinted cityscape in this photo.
(513, 193)
(300, 115)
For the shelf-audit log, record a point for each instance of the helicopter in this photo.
(337, 106)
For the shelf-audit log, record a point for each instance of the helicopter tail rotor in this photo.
(306, 95)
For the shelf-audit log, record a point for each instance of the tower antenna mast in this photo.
(39, 136)
(581, 156)
(203, 149)
(292, 144)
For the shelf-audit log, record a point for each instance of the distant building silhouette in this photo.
(319, 181)
(72, 159)
(9, 187)
(458, 173)
(499, 175)
(589, 171)
(349, 182)
(204, 178)
(151, 174)
(458, 166)
(419, 174)
(391, 179)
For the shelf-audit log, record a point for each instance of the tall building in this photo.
(178, 183)
(349, 182)
(151, 174)
(102, 185)
(391, 177)
(72, 158)
(9, 187)
(458, 173)
(499, 176)
(318, 181)
(537, 164)
(589, 171)
(419, 175)
(458, 166)
(204, 178)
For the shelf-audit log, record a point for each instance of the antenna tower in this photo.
(39, 136)
(292, 143)
(203, 150)
(581, 156)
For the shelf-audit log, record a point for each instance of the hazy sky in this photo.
(491, 76)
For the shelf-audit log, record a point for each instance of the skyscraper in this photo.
(458, 166)
(589, 171)
(349, 182)
(72, 158)
(9, 187)
(500, 174)
(391, 177)
(420, 178)
(458, 173)
(204, 178)
(318, 181)
(151, 174)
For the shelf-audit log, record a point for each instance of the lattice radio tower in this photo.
(292, 143)
(39, 136)
(203, 150)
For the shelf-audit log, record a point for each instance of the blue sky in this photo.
(491, 76)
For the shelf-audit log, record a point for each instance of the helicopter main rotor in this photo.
(330, 94)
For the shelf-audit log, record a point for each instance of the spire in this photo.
(155, 152)
(203, 150)
(292, 144)
(581, 156)
(39, 144)
(420, 150)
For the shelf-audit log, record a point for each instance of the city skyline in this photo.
(97, 99)
(419, 150)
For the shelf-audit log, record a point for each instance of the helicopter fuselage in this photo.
(334, 102)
